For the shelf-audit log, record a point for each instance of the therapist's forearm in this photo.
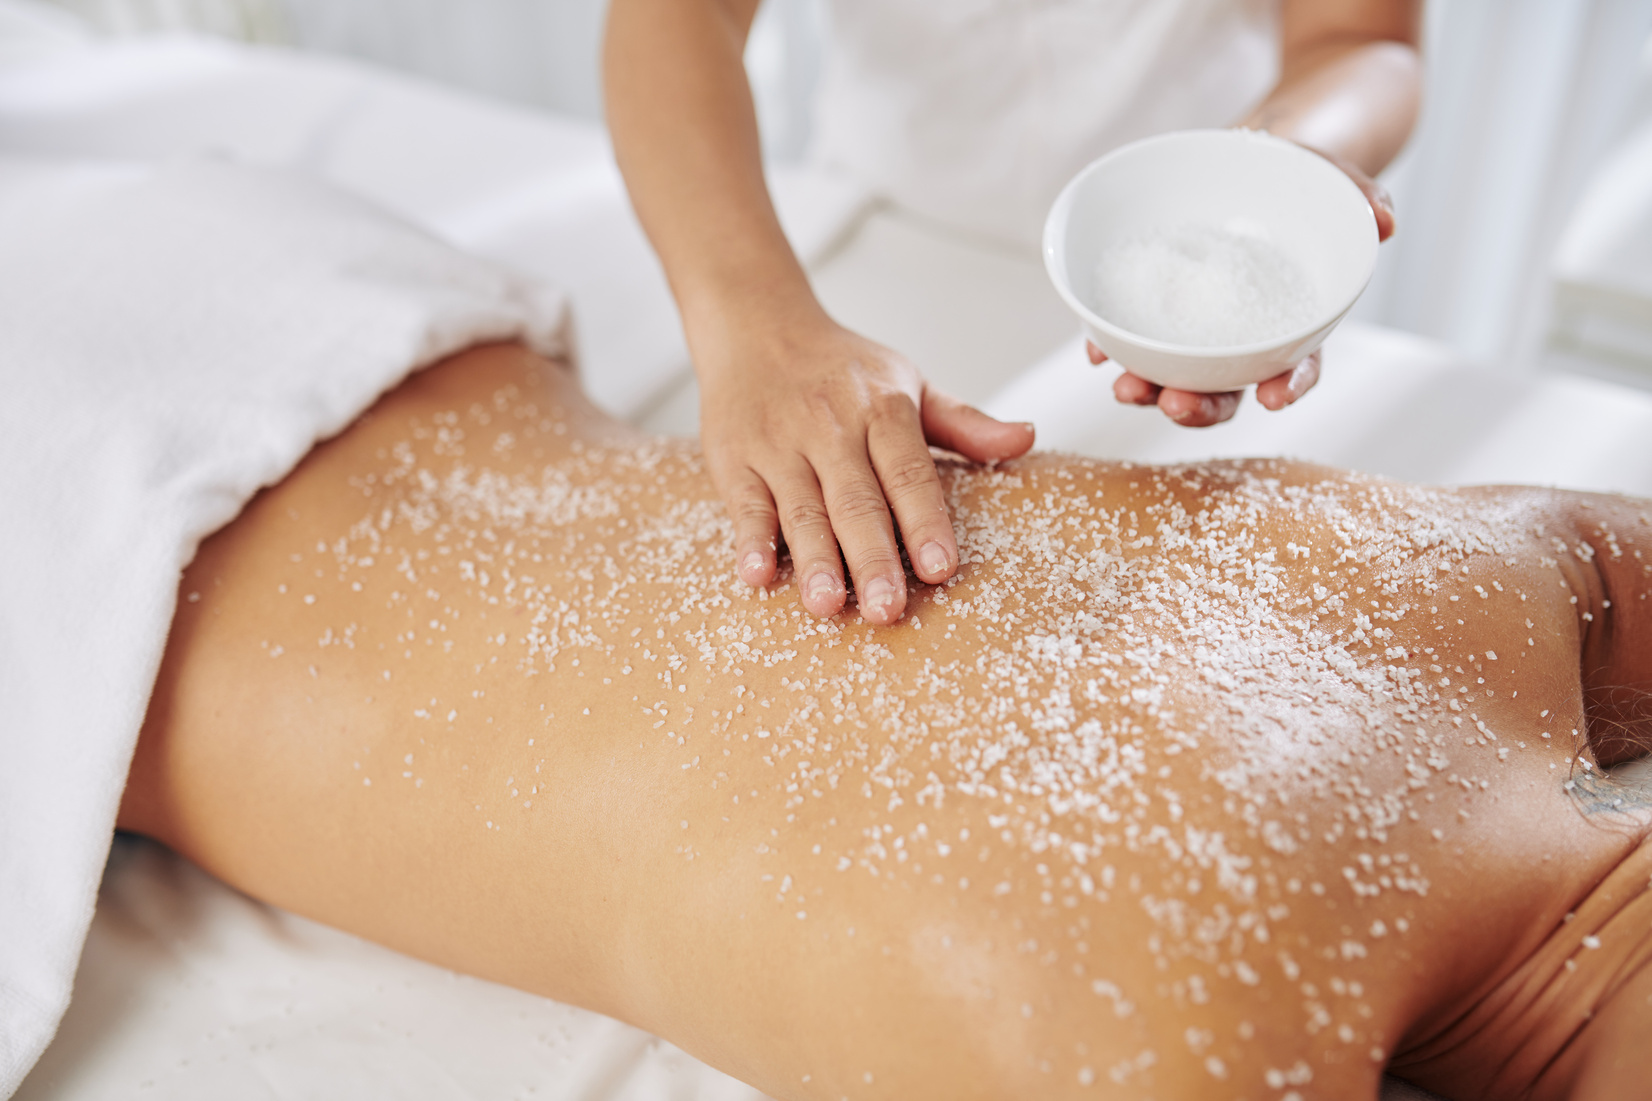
(1356, 102)
(685, 134)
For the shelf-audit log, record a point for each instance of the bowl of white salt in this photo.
(1207, 260)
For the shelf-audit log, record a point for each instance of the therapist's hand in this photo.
(1382, 203)
(1194, 410)
(820, 436)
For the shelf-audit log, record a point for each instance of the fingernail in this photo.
(821, 587)
(752, 563)
(933, 559)
(880, 593)
(1297, 384)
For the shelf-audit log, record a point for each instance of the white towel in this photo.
(171, 339)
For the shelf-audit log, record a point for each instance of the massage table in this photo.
(188, 989)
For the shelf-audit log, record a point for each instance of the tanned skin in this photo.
(365, 716)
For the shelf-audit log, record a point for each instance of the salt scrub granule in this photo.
(1203, 286)
(1111, 628)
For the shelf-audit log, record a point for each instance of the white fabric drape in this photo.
(1603, 267)
(1523, 99)
(171, 340)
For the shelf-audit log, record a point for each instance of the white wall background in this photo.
(1526, 98)
(252, 20)
(544, 53)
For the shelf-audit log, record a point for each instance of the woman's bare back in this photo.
(1226, 781)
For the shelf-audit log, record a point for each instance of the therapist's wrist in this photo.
(748, 267)
(727, 329)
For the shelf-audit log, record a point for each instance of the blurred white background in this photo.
(1525, 197)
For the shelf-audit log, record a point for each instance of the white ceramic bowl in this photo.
(1295, 200)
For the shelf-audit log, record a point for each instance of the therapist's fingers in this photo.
(1097, 356)
(1187, 409)
(949, 423)
(1192, 410)
(895, 439)
(807, 526)
(756, 526)
(1382, 203)
(1283, 389)
(859, 515)
(1132, 390)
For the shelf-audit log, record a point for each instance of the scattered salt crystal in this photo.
(1183, 578)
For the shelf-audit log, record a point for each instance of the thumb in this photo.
(1382, 203)
(951, 424)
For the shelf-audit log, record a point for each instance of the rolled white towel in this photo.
(172, 339)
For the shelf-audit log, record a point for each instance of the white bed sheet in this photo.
(189, 990)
